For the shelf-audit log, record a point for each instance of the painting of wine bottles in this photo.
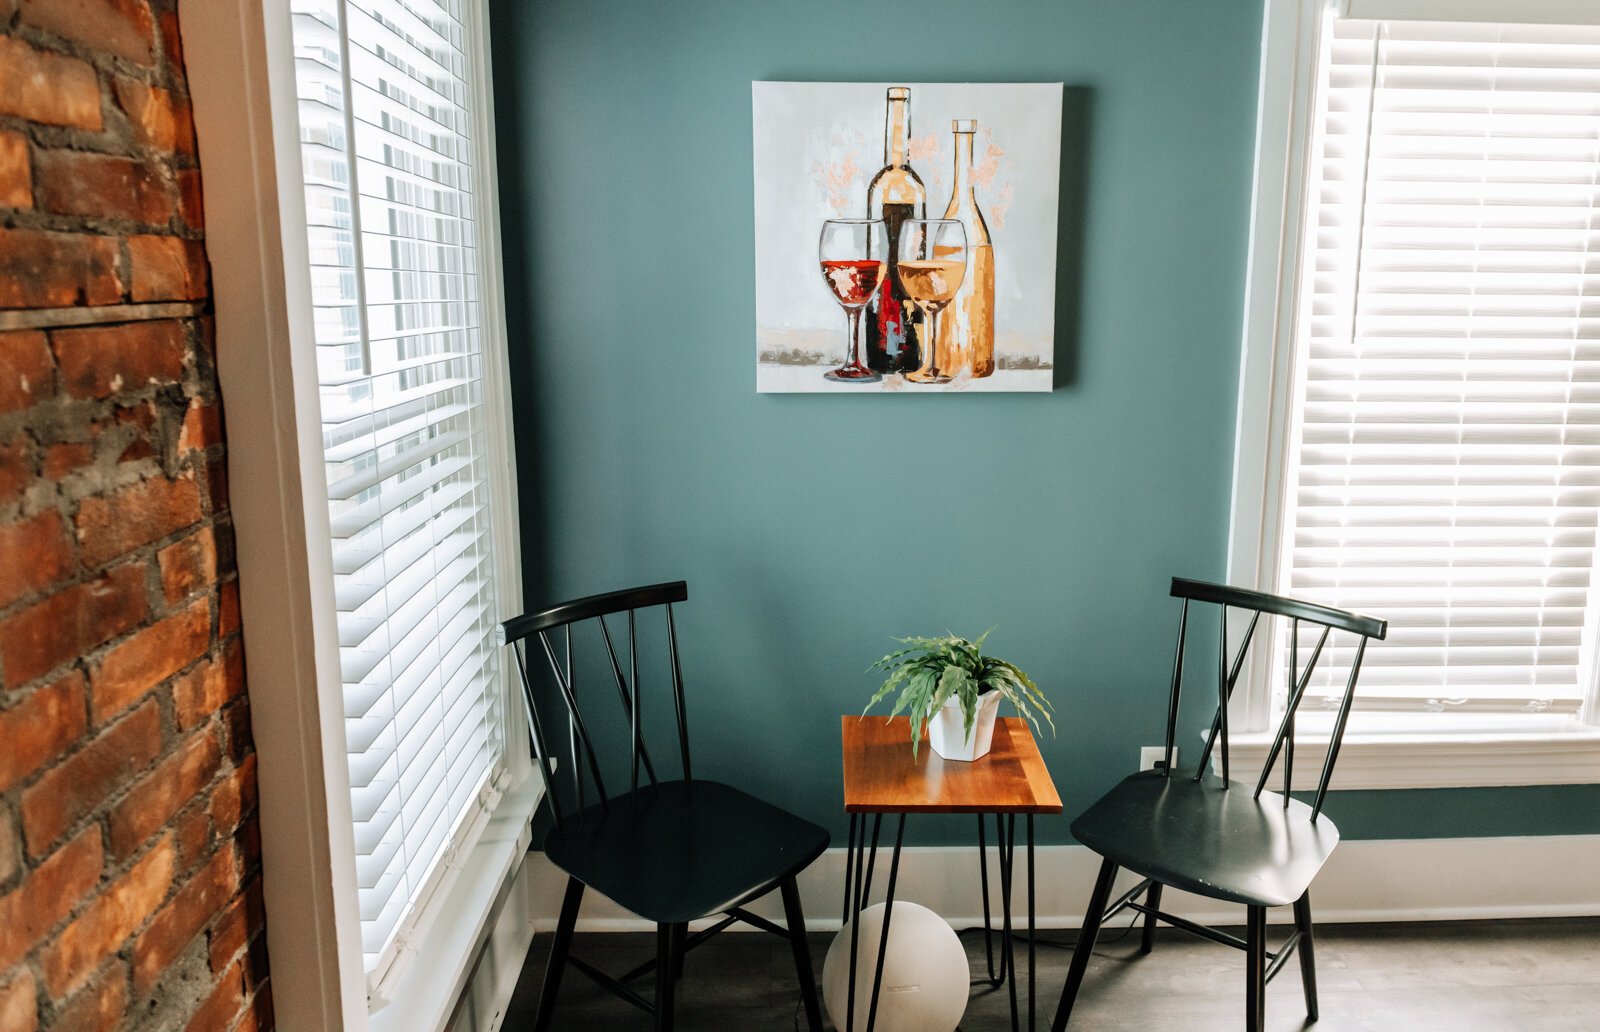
(905, 236)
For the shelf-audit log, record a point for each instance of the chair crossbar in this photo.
(699, 938)
(1284, 953)
(757, 921)
(1126, 899)
(611, 985)
(1277, 958)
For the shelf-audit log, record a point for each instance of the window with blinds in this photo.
(1445, 460)
(384, 104)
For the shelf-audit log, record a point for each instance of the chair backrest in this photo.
(549, 633)
(1229, 663)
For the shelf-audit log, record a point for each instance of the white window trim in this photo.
(1290, 41)
(243, 93)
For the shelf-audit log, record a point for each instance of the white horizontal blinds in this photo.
(384, 103)
(1448, 445)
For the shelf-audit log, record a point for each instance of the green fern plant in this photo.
(929, 671)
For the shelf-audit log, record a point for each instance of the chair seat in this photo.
(1209, 837)
(683, 850)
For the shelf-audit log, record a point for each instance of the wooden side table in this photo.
(881, 776)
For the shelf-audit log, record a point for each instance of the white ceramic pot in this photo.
(948, 735)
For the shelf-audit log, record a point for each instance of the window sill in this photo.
(436, 975)
(1458, 760)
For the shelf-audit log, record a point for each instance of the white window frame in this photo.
(1290, 44)
(242, 83)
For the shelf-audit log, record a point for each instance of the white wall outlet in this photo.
(1151, 755)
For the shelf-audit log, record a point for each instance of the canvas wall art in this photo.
(905, 236)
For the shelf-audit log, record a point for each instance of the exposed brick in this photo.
(228, 609)
(16, 467)
(237, 742)
(202, 426)
(167, 268)
(45, 87)
(121, 27)
(205, 689)
(62, 459)
(99, 1006)
(16, 178)
(193, 834)
(44, 269)
(10, 847)
(99, 361)
(27, 375)
(259, 1016)
(103, 186)
(172, 40)
(160, 118)
(243, 918)
(235, 796)
(88, 777)
(48, 895)
(133, 669)
(216, 478)
(152, 802)
(112, 525)
(182, 919)
(186, 565)
(38, 554)
(191, 203)
(70, 623)
(19, 1003)
(106, 923)
(40, 728)
(222, 1006)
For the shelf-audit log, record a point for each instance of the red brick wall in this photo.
(129, 857)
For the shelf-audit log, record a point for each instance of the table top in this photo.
(880, 775)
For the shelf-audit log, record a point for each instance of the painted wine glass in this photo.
(854, 255)
(932, 263)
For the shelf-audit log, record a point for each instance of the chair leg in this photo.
(666, 940)
(1152, 899)
(795, 919)
(1308, 957)
(1255, 990)
(558, 954)
(680, 938)
(1086, 937)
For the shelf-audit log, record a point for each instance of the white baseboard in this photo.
(1383, 880)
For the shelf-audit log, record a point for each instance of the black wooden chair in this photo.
(669, 851)
(1217, 837)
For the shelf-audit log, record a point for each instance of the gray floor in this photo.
(1503, 976)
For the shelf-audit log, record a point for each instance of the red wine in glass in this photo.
(853, 283)
(853, 254)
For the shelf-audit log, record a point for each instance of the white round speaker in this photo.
(925, 978)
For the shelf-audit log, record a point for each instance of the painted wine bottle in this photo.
(894, 323)
(966, 333)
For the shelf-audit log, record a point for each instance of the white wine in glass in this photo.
(854, 256)
(931, 263)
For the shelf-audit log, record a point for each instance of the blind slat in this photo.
(1446, 464)
(385, 105)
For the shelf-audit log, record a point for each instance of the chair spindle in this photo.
(1177, 682)
(1338, 730)
(677, 693)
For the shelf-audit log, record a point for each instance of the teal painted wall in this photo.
(645, 453)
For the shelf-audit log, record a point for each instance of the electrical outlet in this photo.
(1151, 756)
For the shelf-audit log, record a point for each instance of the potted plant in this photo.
(950, 687)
